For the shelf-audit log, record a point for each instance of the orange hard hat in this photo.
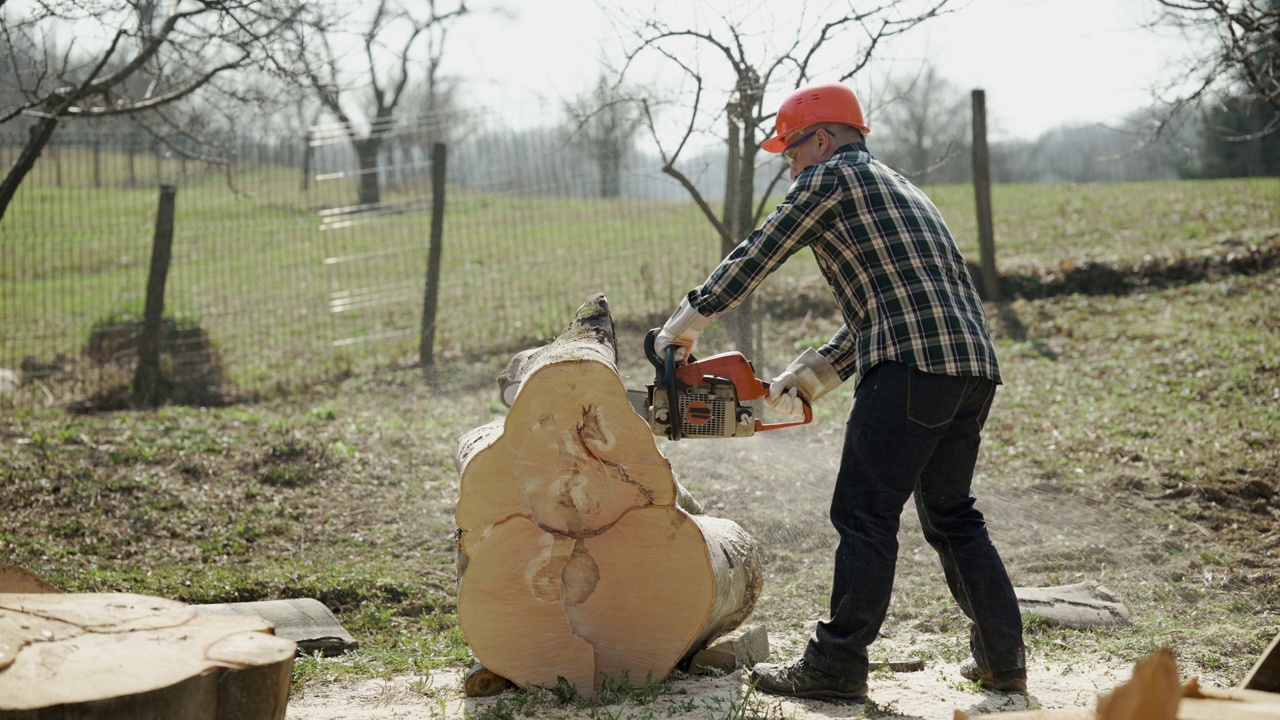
(815, 104)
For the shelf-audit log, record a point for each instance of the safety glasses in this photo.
(790, 150)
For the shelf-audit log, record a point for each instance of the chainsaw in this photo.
(703, 398)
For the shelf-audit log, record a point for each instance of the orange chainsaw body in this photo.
(707, 398)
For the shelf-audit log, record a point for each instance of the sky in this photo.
(1041, 63)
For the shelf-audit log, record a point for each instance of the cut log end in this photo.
(116, 655)
(577, 558)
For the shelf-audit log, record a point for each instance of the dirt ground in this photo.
(1161, 546)
(1049, 536)
(1173, 507)
(932, 693)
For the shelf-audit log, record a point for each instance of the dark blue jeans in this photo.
(913, 432)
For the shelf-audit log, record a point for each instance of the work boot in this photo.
(1007, 681)
(800, 679)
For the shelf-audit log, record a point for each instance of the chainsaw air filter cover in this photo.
(706, 414)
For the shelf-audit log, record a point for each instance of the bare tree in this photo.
(151, 56)
(928, 121)
(835, 46)
(359, 69)
(1246, 53)
(606, 120)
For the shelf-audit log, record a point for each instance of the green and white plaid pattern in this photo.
(902, 286)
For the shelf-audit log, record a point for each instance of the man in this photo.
(915, 344)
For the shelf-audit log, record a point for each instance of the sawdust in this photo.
(935, 692)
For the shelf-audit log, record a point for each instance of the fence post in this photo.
(982, 196)
(306, 162)
(148, 378)
(97, 163)
(431, 292)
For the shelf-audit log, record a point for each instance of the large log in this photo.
(115, 655)
(580, 556)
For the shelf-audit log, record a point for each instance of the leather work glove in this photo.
(681, 330)
(810, 377)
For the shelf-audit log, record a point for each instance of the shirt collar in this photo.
(855, 146)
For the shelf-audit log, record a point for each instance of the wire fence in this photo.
(289, 264)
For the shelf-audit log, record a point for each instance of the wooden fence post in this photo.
(431, 292)
(982, 196)
(307, 152)
(148, 378)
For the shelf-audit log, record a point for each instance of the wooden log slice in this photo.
(579, 558)
(115, 655)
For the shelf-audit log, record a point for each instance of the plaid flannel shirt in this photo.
(900, 282)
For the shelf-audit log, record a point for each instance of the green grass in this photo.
(1120, 450)
(1126, 446)
(1038, 225)
(287, 302)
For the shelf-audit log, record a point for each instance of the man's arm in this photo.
(810, 205)
(814, 374)
(842, 352)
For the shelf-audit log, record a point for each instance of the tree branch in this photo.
(697, 198)
(157, 101)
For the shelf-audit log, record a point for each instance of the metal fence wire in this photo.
(285, 268)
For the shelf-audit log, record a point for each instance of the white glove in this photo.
(808, 378)
(784, 395)
(681, 330)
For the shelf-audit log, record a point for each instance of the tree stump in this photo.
(115, 655)
(580, 556)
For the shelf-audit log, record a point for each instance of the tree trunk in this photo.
(610, 165)
(113, 655)
(367, 151)
(739, 198)
(578, 557)
(37, 137)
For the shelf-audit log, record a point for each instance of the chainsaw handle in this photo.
(666, 367)
(649, 351)
(673, 407)
(652, 354)
(808, 416)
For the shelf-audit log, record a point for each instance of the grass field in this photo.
(287, 302)
(1136, 443)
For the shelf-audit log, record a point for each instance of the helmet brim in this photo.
(774, 144)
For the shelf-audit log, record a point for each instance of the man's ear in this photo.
(830, 140)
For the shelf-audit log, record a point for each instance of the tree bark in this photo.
(37, 137)
(580, 556)
(367, 151)
(115, 655)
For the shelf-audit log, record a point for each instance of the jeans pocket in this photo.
(933, 400)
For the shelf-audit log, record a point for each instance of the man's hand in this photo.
(808, 378)
(681, 330)
(784, 395)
